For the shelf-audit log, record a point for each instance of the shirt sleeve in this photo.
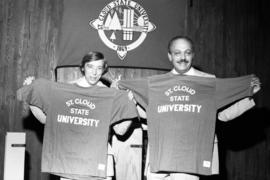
(139, 87)
(236, 109)
(229, 90)
(123, 108)
(36, 94)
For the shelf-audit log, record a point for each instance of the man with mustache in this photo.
(181, 54)
(182, 62)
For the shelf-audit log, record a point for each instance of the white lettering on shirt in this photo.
(194, 108)
(77, 120)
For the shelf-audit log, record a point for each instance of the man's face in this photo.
(93, 71)
(181, 55)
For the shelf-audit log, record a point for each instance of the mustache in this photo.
(183, 61)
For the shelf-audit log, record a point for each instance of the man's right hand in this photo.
(28, 80)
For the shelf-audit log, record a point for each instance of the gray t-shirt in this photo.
(77, 125)
(181, 115)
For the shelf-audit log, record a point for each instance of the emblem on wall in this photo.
(122, 25)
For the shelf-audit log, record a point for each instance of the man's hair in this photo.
(93, 56)
(177, 38)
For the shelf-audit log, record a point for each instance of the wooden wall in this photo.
(231, 39)
(28, 38)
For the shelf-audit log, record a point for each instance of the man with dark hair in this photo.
(180, 108)
(77, 119)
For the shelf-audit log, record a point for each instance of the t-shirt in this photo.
(77, 125)
(181, 114)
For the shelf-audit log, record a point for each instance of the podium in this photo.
(128, 156)
(14, 156)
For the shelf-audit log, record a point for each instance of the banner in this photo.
(130, 33)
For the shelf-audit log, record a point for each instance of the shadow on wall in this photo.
(32, 124)
(247, 130)
(252, 129)
(240, 134)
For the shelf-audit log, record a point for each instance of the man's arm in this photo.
(38, 113)
(241, 106)
(236, 109)
(229, 90)
(122, 127)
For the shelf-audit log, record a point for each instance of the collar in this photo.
(81, 82)
(190, 72)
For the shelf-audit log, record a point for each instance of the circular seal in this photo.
(122, 25)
